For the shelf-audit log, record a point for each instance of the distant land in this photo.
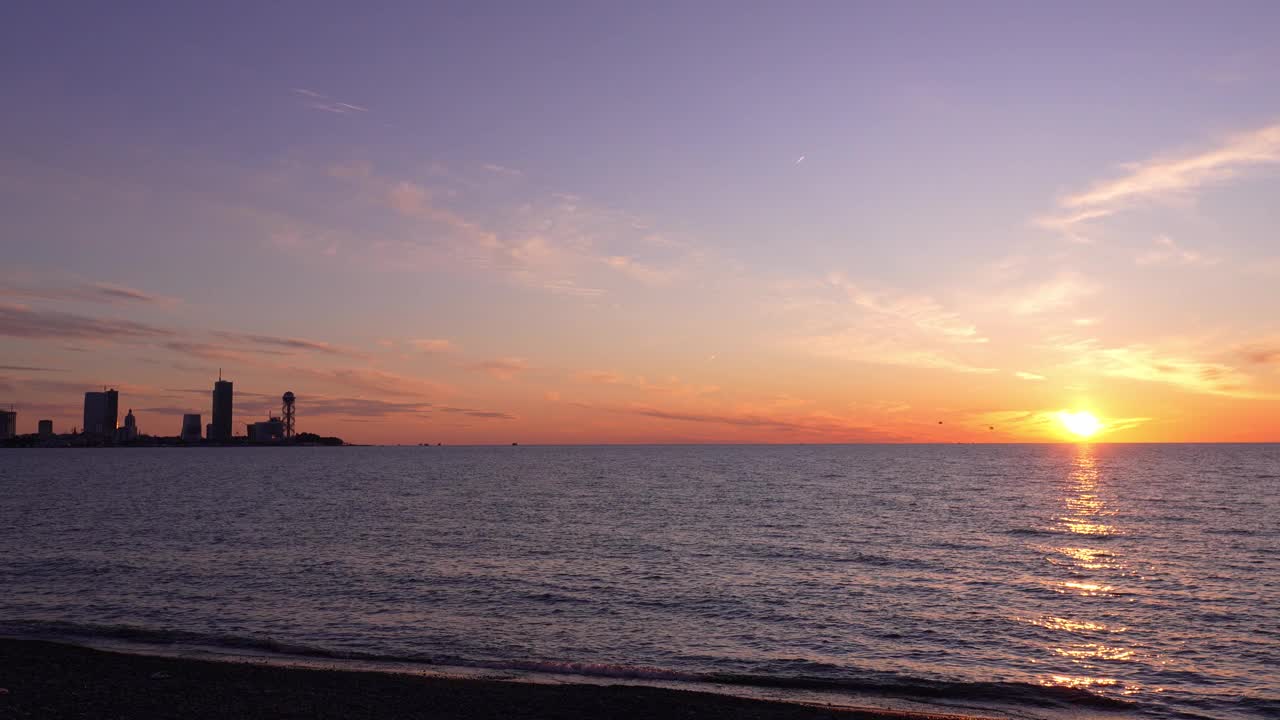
(83, 440)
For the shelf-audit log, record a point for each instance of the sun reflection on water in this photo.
(1086, 514)
(1072, 626)
(1086, 510)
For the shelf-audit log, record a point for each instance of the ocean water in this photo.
(1112, 580)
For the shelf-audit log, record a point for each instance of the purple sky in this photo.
(851, 207)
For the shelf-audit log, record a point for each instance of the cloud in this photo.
(28, 368)
(206, 351)
(240, 393)
(90, 292)
(290, 343)
(921, 312)
(433, 345)
(1168, 252)
(360, 407)
(21, 321)
(1147, 364)
(160, 410)
(1041, 423)
(484, 414)
(568, 287)
(840, 319)
(817, 424)
(639, 271)
(120, 292)
(320, 101)
(671, 385)
(1168, 178)
(560, 244)
(602, 377)
(371, 380)
(875, 349)
(1028, 375)
(412, 200)
(1058, 293)
(503, 368)
(1261, 353)
(502, 170)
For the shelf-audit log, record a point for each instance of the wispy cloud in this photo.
(502, 170)
(483, 414)
(28, 368)
(217, 353)
(372, 380)
(362, 407)
(320, 101)
(670, 385)
(88, 292)
(1166, 251)
(121, 292)
(827, 426)
(503, 368)
(922, 312)
(1261, 353)
(1028, 375)
(1167, 178)
(22, 321)
(290, 343)
(838, 318)
(1060, 292)
(1150, 364)
(1040, 423)
(433, 345)
(868, 347)
(559, 243)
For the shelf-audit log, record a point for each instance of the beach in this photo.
(51, 681)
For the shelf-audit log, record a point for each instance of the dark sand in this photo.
(51, 681)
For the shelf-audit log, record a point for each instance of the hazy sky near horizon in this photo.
(611, 222)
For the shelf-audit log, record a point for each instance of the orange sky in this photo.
(833, 241)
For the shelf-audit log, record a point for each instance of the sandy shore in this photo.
(51, 681)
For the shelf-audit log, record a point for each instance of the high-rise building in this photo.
(95, 410)
(46, 429)
(101, 412)
(8, 424)
(191, 427)
(221, 410)
(111, 420)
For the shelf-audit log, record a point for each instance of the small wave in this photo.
(1014, 692)
(153, 636)
(882, 685)
(1034, 532)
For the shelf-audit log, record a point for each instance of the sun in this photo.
(1081, 423)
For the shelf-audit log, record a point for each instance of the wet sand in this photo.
(53, 681)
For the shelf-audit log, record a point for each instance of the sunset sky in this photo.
(647, 222)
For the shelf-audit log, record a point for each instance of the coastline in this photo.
(54, 680)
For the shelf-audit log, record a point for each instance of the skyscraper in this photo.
(95, 410)
(101, 412)
(110, 420)
(8, 424)
(221, 410)
(46, 429)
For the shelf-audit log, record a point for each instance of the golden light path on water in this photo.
(1087, 515)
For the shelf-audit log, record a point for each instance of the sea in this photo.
(1023, 581)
